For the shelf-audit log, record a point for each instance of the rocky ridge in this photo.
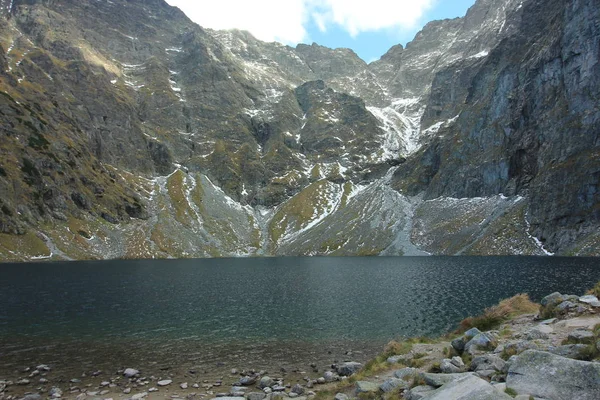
(163, 139)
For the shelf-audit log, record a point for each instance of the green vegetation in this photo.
(511, 392)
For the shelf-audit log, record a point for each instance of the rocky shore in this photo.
(516, 349)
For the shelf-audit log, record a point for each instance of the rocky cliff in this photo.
(129, 131)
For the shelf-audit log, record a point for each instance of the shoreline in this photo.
(509, 321)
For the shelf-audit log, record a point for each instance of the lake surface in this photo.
(253, 313)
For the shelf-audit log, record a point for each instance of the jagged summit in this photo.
(129, 131)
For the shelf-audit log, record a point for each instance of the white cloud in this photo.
(285, 20)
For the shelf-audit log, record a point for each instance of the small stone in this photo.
(394, 359)
(298, 389)
(278, 388)
(127, 390)
(268, 390)
(43, 367)
(75, 380)
(341, 396)
(164, 382)
(139, 396)
(104, 392)
(196, 386)
(153, 389)
(266, 381)
(130, 372)
(535, 334)
(105, 383)
(184, 385)
(329, 376)
(43, 380)
(248, 380)
(23, 382)
(457, 361)
(255, 396)
(293, 395)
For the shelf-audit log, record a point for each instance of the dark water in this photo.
(254, 311)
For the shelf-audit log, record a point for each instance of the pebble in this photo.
(130, 372)
(152, 389)
(127, 390)
(139, 396)
(184, 385)
(164, 382)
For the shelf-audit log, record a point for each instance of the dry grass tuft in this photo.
(493, 316)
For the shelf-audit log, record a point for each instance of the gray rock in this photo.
(139, 396)
(348, 368)
(457, 361)
(366, 387)
(298, 389)
(55, 391)
(395, 359)
(549, 376)
(481, 342)
(228, 398)
(248, 380)
(184, 385)
(549, 321)
(565, 306)
(278, 388)
(575, 351)
(536, 334)
(130, 372)
(255, 396)
(393, 383)
(467, 387)
(330, 376)
(23, 382)
(266, 381)
(418, 392)
(486, 373)
(127, 390)
(43, 367)
(487, 362)
(341, 396)
(406, 373)
(437, 380)
(35, 396)
(164, 382)
(459, 344)
(447, 367)
(581, 336)
(552, 298)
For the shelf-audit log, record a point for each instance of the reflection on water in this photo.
(254, 311)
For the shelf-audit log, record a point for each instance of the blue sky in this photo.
(369, 27)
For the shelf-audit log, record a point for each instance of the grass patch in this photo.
(511, 392)
(493, 316)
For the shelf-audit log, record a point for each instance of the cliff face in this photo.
(129, 131)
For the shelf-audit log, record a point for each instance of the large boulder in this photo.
(553, 377)
(467, 387)
(418, 392)
(459, 343)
